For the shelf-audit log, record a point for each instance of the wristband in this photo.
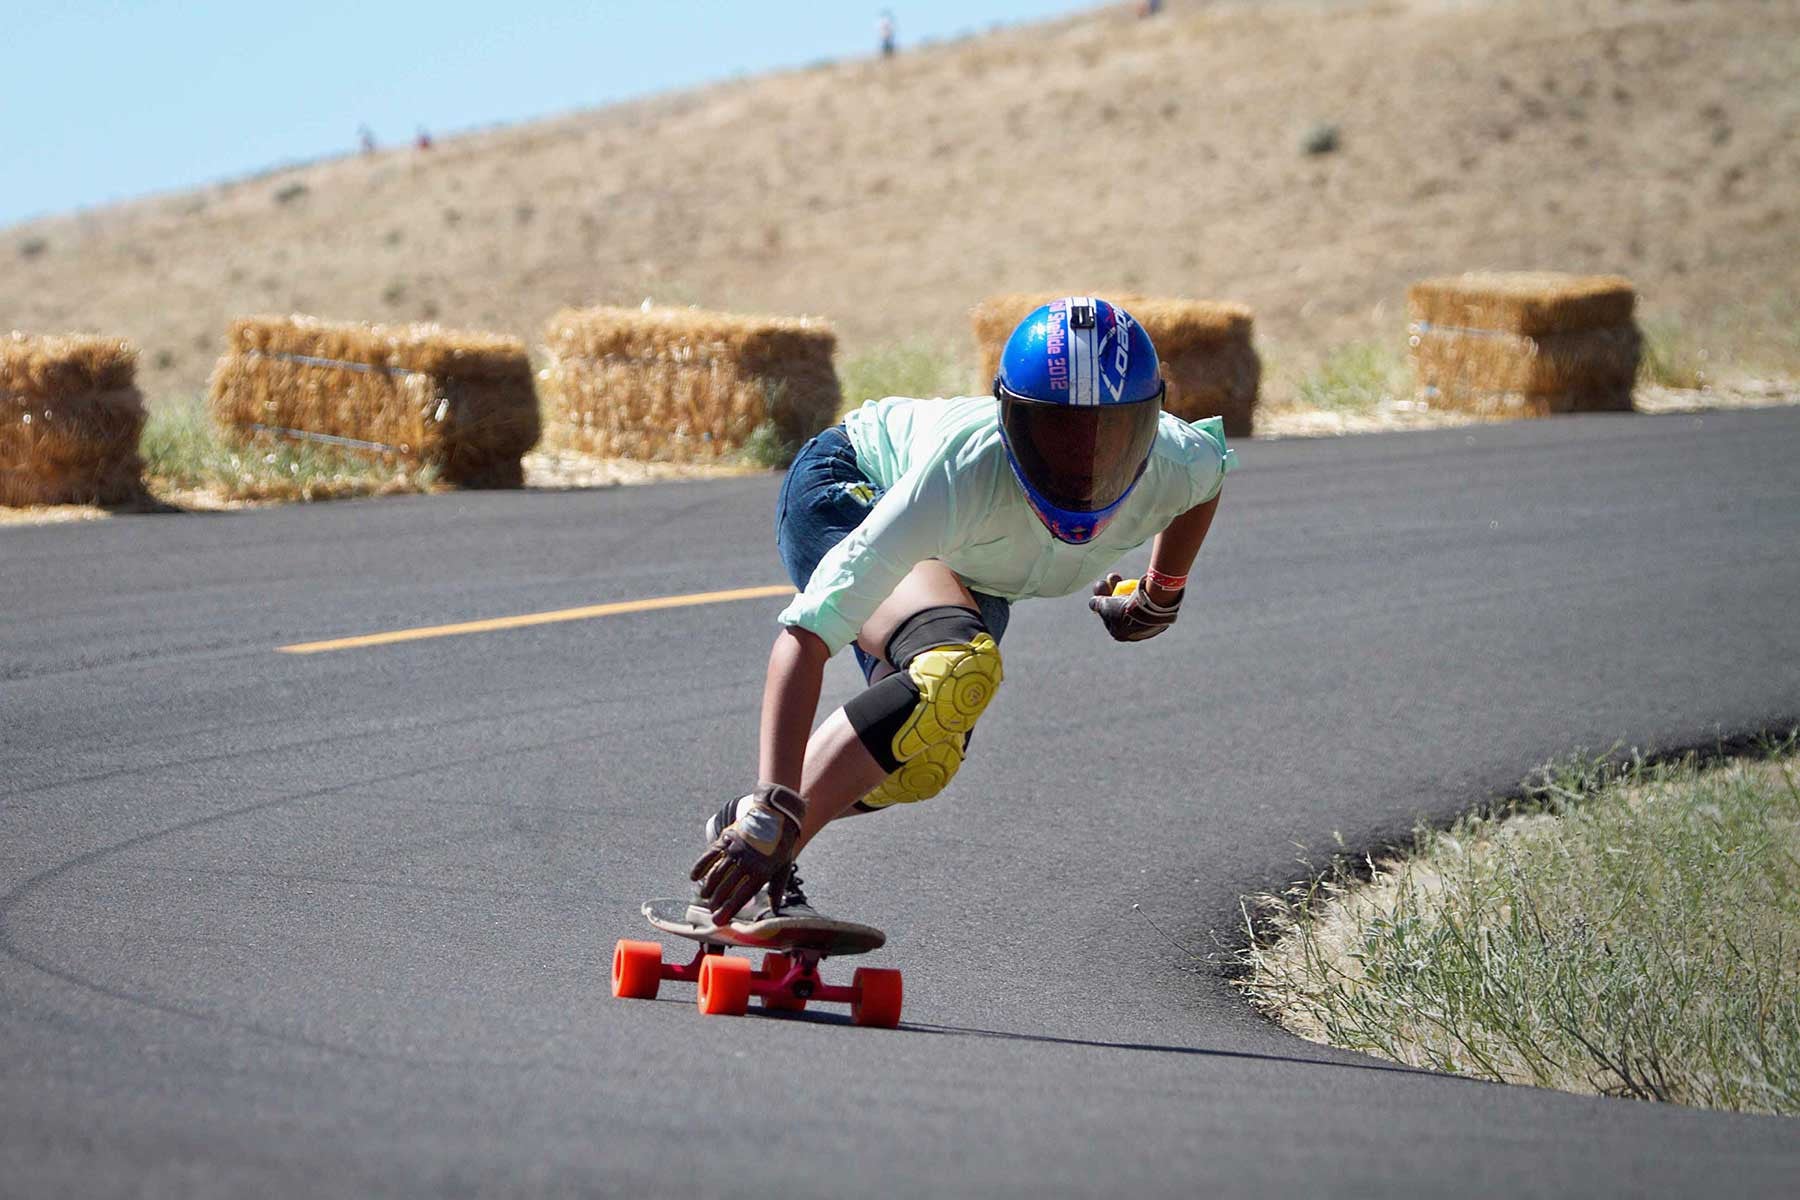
(1168, 583)
(784, 800)
(1144, 606)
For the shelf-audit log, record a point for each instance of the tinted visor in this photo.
(1080, 458)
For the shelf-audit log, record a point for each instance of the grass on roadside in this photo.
(1671, 358)
(1629, 931)
(904, 369)
(767, 448)
(1359, 377)
(185, 454)
(899, 369)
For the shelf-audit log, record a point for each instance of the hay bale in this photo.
(1525, 344)
(684, 385)
(462, 401)
(1507, 375)
(70, 418)
(1526, 303)
(1208, 358)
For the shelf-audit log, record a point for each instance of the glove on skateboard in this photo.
(750, 851)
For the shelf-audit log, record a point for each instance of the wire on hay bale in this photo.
(1525, 343)
(1208, 358)
(70, 418)
(463, 401)
(684, 385)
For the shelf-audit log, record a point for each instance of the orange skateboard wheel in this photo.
(637, 969)
(725, 985)
(878, 997)
(774, 969)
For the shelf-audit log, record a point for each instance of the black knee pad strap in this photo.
(878, 712)
(929, 628)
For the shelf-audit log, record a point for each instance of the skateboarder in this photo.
(910, 529)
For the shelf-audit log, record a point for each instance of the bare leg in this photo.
(927, 585)
(839, 769)
(839, 772)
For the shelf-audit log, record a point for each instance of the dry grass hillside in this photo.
(1653, 138)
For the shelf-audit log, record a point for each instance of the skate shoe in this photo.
(760, 907)
(715, 824)
(699, 913)
(793, 904)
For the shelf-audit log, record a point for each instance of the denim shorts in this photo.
(824, 497)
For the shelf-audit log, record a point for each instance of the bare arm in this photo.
(1173, 551)
(790, 699)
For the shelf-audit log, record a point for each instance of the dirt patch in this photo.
(1754, 393)
(564, 469)
(51, 514)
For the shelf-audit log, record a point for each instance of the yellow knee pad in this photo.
(953, 685)
(920, 779)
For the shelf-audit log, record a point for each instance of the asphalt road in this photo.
(340, 924)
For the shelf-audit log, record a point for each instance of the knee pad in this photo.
(916, 722)
(921, 778)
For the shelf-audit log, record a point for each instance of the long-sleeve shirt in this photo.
(951, 495)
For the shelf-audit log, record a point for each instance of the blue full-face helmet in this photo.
(1080, 394)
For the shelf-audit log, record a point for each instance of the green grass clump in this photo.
(1322, 138)
(903, 369)
(765, 447)
(184, 451)
(1359, 377)
(1670, 358)
(1772, 335)
(1629, 931)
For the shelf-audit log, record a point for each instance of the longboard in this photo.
(787, 978)
(827, 937)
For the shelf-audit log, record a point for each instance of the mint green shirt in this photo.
(950, 495)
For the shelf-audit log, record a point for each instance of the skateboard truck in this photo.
(785, 982)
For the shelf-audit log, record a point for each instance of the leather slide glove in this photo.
(1132, 617)
(749, 851)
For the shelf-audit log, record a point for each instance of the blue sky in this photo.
(100, 102)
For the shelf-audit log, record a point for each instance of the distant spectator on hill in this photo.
(1149, 8)
(366, 136)
(885, 28)
(423, 141)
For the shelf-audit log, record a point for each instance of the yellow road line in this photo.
(540, 618)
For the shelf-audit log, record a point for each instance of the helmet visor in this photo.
(1080, 458)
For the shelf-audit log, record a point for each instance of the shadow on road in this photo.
(1202, 1051)
(814, 1017)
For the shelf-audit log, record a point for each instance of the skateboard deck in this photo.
(826, 937)
(787, 979)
